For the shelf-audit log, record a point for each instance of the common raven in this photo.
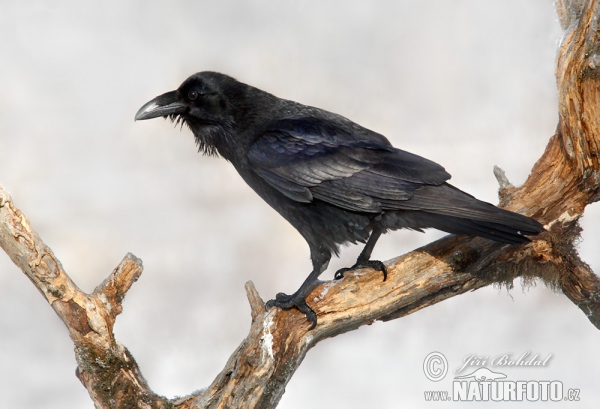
(335, 181)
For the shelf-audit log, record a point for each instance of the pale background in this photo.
(468, 84)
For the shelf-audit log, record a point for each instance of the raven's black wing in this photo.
(339, 163)
(358, 170)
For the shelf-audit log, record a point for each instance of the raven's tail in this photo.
(512, 231)
(449, 209)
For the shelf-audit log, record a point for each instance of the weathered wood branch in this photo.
(105, 367)
(562, 183)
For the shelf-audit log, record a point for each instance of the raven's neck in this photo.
(250, 119)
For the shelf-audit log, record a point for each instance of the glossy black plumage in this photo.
(333, 180)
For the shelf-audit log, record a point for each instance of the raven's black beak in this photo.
(166, 104)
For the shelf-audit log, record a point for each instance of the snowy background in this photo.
(468, 84)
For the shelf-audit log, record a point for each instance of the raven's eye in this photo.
(192, 95)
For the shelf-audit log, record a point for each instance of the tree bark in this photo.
(562, 183)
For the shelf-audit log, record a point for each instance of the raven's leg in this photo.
(364, 257)
(320, 260)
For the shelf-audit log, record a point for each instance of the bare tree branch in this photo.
(105, 367)
(562, 183)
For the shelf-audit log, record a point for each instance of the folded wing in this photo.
(304, 160)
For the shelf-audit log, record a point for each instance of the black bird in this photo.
(333, 180)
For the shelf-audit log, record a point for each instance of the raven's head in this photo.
(209, 104)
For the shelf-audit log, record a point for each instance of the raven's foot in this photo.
(297, 300)
(374, 264)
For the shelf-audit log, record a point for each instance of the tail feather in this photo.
(449, 209)
(468, 227)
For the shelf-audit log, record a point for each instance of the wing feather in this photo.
(347, 166)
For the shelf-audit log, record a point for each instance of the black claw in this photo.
(340, 273)
(381, 267)
(374, 264)
(269, 304)
(310, 314)
(286, 302)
